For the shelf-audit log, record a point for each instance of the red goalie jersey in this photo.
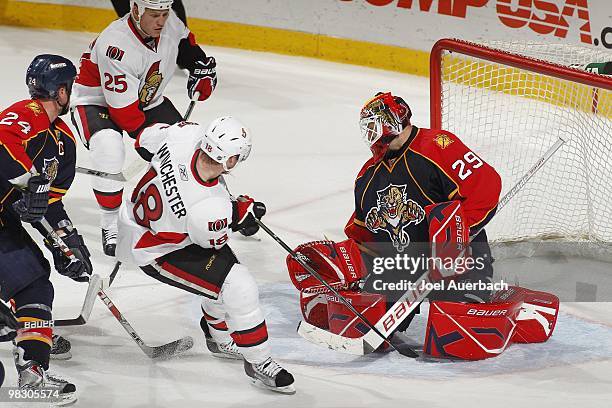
(433, 166)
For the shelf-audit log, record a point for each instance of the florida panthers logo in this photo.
(393, 213)
(50, 168)
(153, 80)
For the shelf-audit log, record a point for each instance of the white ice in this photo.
(307, 151)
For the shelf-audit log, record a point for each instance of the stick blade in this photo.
(95, 284)
(330, 340)
(171, 349)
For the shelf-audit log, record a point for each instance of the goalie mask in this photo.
(226, 137)
(382, 119)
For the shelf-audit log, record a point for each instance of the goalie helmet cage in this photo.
(509, 101)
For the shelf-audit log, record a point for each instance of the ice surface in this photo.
(307, 150)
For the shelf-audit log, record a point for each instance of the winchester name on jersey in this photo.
(126, 73)
(433, 166)
(171, 206)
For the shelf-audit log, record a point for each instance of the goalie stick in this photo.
(135, 167)
(397, 344)
(409, 301)
(165, 350)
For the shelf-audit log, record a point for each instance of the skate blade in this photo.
(67, 400)
(226, 356)
(61, 356)
(288, 389)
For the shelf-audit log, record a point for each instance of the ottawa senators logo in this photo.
(50, 168)
(393, 213)
(153, 80)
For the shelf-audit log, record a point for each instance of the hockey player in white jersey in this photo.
(120, 87)
(176, 226)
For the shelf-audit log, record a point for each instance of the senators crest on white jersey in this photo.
(152, 82)
(393, 213)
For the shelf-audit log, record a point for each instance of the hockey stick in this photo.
(165, 350)
(398, 345)
(410, 300)
(95, 285)
(135, 167)
(132, 170)
(113, 274)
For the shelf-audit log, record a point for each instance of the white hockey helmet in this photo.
(150, 4)
(226, 137)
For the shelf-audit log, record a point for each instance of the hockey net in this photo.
(509, 102)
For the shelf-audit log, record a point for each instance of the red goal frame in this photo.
(502, 57)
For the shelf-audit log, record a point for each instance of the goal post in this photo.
(509, 101)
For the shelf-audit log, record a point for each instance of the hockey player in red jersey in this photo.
(120, 87)
(413, 168)
(426, 195)
(176, 227)
(37, 159)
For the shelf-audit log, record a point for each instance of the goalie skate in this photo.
(271, 376)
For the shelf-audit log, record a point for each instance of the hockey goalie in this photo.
(424, 196)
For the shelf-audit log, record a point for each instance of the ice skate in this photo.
(271, 376)
(227, 350)
(109, 240)
(32, 377)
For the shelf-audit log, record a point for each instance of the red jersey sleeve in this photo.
(464, 175)
(355, 227)
(19, 123)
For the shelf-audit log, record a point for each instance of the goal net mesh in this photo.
(510, 116)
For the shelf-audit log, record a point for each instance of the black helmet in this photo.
(47, 73)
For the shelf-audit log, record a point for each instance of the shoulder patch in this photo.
(443, 141)
(115, 53)
(34, 107)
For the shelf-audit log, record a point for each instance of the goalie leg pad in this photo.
(537, 317)
(314, 309)
(343, 321)
(469, 331)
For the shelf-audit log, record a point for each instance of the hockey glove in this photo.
(8, 324)
(78, 269)
(35, 199)
(244, 212)
(202, 79)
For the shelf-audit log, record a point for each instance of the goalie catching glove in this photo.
(244, 212)
(77, 269)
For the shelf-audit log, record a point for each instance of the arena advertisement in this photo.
(415, 24)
